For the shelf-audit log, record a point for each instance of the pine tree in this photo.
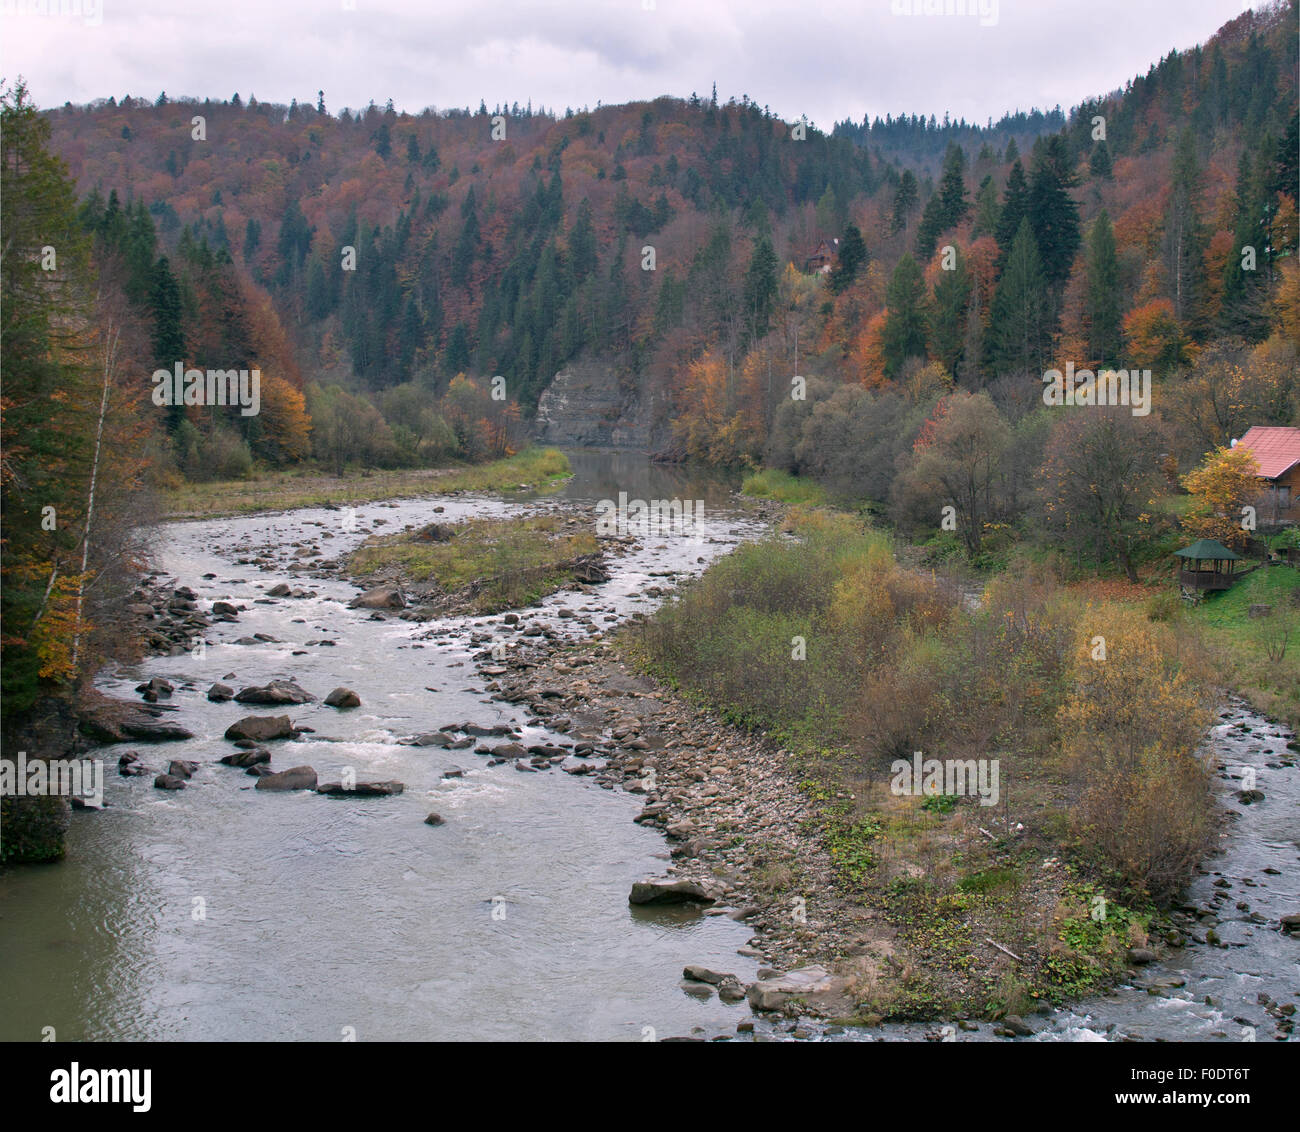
(1182, 244)
(1099, 165)
(462, 257)
(851, 259)
(987, 210)
(952, 188)
(927, 232)
(319, 299)
(1018, 332)
(1015, 206)
(903, 336)
(1104, 308)
(1052, 213)
(905, 198)
(947, 323)
(760, 288)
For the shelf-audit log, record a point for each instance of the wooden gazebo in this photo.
(1209, 566)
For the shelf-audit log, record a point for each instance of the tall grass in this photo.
(771, 483)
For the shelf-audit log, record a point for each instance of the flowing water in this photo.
(220, 912)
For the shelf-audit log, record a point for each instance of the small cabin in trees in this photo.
(1277, 451)
(819, 263)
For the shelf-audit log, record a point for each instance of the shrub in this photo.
(1130, 727)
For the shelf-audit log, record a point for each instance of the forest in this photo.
(872, 306)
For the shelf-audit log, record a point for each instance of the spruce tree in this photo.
(852, 257)
(1052, 212)
(1104, 308)
(947, 321)
(953, 204)
(905, 198)
(1015, 204)
(904, 332)
(760, 289)
(1018, 333)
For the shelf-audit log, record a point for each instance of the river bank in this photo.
(570, 782)
(534, 469)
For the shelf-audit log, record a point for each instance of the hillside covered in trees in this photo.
(366, 258)
(874, 307)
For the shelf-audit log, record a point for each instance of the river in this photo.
(223, 913)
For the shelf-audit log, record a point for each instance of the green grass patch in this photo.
(782, 487)
(996, 879)
(504, 562)
(1262, 653)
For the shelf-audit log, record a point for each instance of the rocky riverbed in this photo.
(592, 833)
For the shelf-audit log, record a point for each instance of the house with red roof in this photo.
(1277, 450)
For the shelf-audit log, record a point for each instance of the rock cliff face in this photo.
(595, 405)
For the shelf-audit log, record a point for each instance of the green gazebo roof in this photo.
(1207, 548)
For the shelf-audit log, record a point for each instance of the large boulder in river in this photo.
(814, 986)
(343, 698)
(244, 759)
(276, 692)
(381, 597)
(260, 728)
(220, 693)
(295, 778)
(169, 782)
(361, 789)
(675, 890)
(116, 721)
(150, 732)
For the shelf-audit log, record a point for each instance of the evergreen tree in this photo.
(1104, 309)
(987, 210)
(904, 331)
(851, 259)
(319, 298)
(1018, 332)
(168, 326)
(1182, 243)
(462, 257)
(1244, 310)
(952, 188)
(927, 232)
(905, 198)
(1099, 164)
(947, 323)
(761, 288)
(457, 356)
(1015, 206)
(1053, 215)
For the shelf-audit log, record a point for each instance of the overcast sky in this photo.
(826, 59)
